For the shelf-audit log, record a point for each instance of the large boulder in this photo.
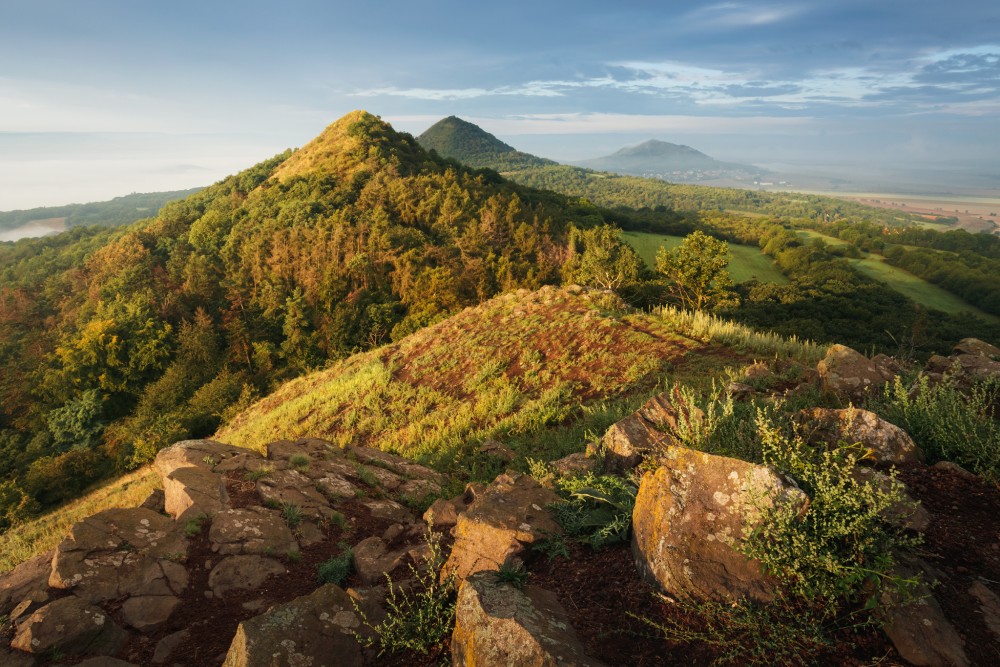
(850, 374)
(119, 553)
(886, 442)
(692, 513)
(648, 429)
(192, 492)
(497, 624)
(508, 516)
(315, 630)
(68, 625)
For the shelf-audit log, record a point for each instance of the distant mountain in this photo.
(473, 146)
(662, 159)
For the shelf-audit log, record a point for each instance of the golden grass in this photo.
(34, 537)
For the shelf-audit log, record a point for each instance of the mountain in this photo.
(473, 146)
(661, 159)
(116, 342)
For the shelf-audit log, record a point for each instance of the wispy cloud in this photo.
(727, 15)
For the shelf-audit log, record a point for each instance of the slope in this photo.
(471, 145)
(665, 160)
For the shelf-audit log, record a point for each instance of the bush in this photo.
(948, 424)
(598, 509)
(337, 569)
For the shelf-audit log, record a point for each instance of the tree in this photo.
(696, 272)
(599, 258)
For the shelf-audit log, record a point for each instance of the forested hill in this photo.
(118, 211)
(662, 158)
(471, 145)
(116, 342)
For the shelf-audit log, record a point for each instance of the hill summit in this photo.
(662, 159)
(473, 146)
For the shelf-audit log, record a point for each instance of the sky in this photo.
(106, 97)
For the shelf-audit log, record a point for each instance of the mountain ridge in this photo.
(665, 160)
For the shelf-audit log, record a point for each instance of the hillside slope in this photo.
(469, 144)
(663, 159)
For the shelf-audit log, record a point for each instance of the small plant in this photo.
(366, 476)
(418, 617)
(338, 519)
(292, 514)
(208, 460)
(259, 473)
(513, 573)
(295, 555)
(272, 503)
(298, 461)
(598, 508)
(552, 546)
(337, 569)
(193, 526)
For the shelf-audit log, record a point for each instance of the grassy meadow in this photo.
(747, 261)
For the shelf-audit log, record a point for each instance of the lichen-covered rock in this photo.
(190, 492)
(886, 442)
(373, 560)
(648, 429)
(241, 573)
(148, 612)
(204, 454)
(254, 530)
(68, 625)
(292, 487)
(690, 516)
(121, 552)
(573, 464)
(507, 517)
(28, 581)
(976, 347)
(316, 630)
(848, 373)
(497, 624)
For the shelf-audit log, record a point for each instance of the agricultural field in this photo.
(747, 261)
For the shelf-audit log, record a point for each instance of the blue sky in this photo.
(106, 97)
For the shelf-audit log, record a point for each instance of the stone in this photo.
(919, 630)
(191, 492)
(292, 487)
(691, 515)
(167, 646)
(887, 443)
(148, 612)
(758, 372)
(308, 534)
(497, 449)
(441, 514)
(389, 510)
(989, 606)
(739, 391)
(28, 581)
(846, 372)
(204, 454)
(418, 489)
(68, 625)
(9, 658)
(254, 530)
(242, 573)
(974, 346)
(497, 624)
(372, 559)
(955, 469)
(335, 487)
(573, 465)
(508, 517)
(121, 552)
(648, 429)
(316, 630)
(155, 501)
(105, 661)
(906, 513)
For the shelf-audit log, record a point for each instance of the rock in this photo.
(758, 372)
(9, 658)
(68, 625)
(254, 530)
(498, 450)
(389, 510)
(507, 517)
(739, 391)
(292, 487)
(989, 606)
(168, 645)
(241, 573)
(418, 489)
(117, 553)
(28, 581)
(204, 454)
(847, 373)
(572, 465)
(648, 429)
(441, 514)
(372, 560)
(148, 612)
(974, 346)
(887, 442)
(955, 469)
(907, 513)
(155, 501)
(316, 630)
(191, 492)
(105, 661)
(335, 487)
(919, 630)
(690, 515)
(497, 624)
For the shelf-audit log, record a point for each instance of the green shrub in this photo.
(598, 509)
(337, 569)
(259, 473)
(193, 526)
(419, 616)
(292, 514)
(841, 548)
(299, 460)
(513, 574)
(947, 423)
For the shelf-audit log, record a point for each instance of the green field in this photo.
(747, 261)
(907, 284)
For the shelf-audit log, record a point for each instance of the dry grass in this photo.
(34, 537)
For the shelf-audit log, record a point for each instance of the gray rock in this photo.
(920, 631)
(254, 530)
(28, 581)
(241, 573)
(68, 625)
(148, 612)
(168, 645)
(847, 373)
(886, 442)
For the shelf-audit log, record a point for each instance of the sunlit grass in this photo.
(747, 261)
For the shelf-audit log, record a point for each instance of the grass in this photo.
(34, 537)
(747, 261)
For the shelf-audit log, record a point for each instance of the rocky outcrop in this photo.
(497, 624)
(971, 361)
(849, 374)
(691, 515)
(501, 523)
(67, 625)
(315, 630)
(26, 582)
(886, 443)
